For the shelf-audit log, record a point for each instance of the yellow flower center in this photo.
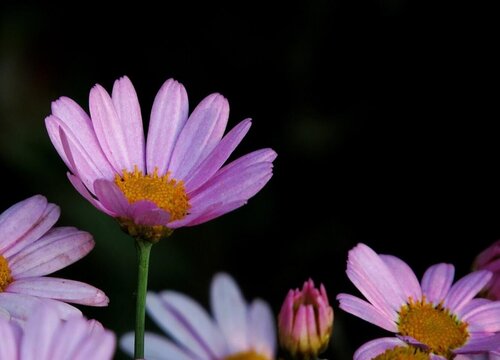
(247, 355)
(433, 326)
(168, 194)
(5, 276)
(403, 353)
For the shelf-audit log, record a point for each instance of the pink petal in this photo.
(404, 275)
(39, 333)
(53, 129)
(111, 197)
(78, 185)
(10, 340)
(145, 212)
(202, 132)
(261, 329)
(237, 185)
(20, 306)
(366, 311)
(168, 116)
(39, 227)
(480, 344)
(471, 307)
(60, 289)
(128, 110)
(156, 347)
(299, 333)
(81, 159)
(113, 135)
(217, 157)
(60, 249)
(20, 219)
(487, 255)
(255, 157)
(375, 280)
(230, 311)
(373, 348)
(100, 347)
(211, 212)
(465, 289)
(485, 318)
(187, 322)
(65, 347)
(437, 281)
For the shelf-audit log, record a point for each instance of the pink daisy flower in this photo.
(47, 337)
(489, 259)
(239, 331)
(31, 248)
(442, 318)
(175, 177)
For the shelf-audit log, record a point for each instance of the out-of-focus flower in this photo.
(174, 178)
(442, 318)
(31, 248)
(46, 336)
(489, 259)
(305, 322)
(239, 331)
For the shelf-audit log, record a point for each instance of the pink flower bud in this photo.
(305, 322)
(489, 259)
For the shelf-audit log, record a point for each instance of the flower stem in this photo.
(143, 251)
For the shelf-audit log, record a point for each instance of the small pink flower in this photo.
(305, 322)
(31, 248)
(175, 177)
(489, 259)
(46, 336)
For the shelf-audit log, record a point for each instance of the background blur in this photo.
(381, 112)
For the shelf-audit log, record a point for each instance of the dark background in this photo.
(383, 114)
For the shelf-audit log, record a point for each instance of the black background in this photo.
(383, 113)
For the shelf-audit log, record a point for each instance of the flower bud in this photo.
(305, 322)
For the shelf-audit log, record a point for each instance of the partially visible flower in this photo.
(305, 322)
(31, 248)
(444, 319)
(390, 349)
(46, 336)
(489, 259)
(239, 331)
(175, 177)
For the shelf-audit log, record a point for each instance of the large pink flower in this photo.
(435, 315)
(174, 178)
(30, 249)
(47, 337)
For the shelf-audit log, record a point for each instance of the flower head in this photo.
(305, 322)
(443, 318)
(489, 259)
(46, 336)
(173, 178)
(239, 331)
(31, 248)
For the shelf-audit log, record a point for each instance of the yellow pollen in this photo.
(433, 326)
(247, 355)
(403, 353)
(168, 194)
(5, 276)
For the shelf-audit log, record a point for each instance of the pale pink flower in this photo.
(31, 248)
(489, 259)
(444, 319)
(305, 322)
(175, 177)
(46, 336)
(238, 331)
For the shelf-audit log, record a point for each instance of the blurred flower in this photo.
(239, 332)
(390, 349)
(172, 179)
(305, 322)
(47, 337)
(489, 259)
(442, 318)
(30, 249)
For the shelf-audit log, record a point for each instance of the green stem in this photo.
(143, 251)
